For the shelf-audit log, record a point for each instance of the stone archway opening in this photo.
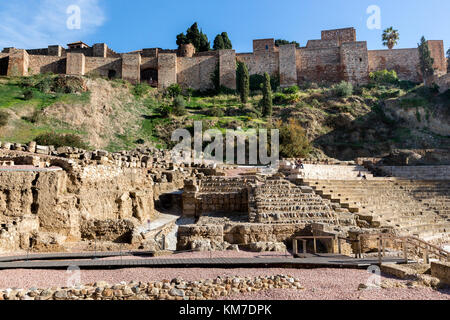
(4, 66)
(150, 76)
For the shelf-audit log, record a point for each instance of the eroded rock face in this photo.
(89, 202)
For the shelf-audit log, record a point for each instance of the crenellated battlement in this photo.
(336, 56)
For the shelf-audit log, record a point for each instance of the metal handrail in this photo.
(405, 240)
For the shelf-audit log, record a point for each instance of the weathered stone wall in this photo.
(316, 44)
(18, 63)
(227, 68)
(194, 72)
(288, 74)
(316, 65)
(438, 54)
(441, 270)
(131, 67)
(75, 64)
(100, 50)
(39, 64)
(167, 69)
(103, 66)
(355, 60)
(341, 35)
(261, 62)
(404, 61)
(62, 202)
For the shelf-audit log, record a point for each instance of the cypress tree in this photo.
(205, 45)
(426, 61)
(219, 43)
(193, 36)
(181, 39)
(243, 82)
(226, 41)
(267, 97)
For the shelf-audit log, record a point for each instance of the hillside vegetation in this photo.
(339, 121)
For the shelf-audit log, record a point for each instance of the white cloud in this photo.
(30, 24)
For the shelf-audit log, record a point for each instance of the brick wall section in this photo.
(317, 65)
(443, 83)
(355, 60)
(42, 64)
(149, 63)
(167, 69)
(262, 62)
(75, 64)
(288, 73)
(314, 44)
(404, 61)
(102, 66)
(438, 54)
(227, 68)
(100, 50)
(264, 45)
(18, 63)
(131, 67)
(341, 35)
(193, 72)
(55, 51)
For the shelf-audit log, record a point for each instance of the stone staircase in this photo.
(417, 172)
(280, 201)
(411, 207)
(326, 172)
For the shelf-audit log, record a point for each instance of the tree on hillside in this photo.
(218, 43)
(266, 102)
(196, 37)
(222, 42)
(390, 37)
(243, 83)
(281, 42)
(294, 141)
(425, 60)
(226, 41)
(181, 39)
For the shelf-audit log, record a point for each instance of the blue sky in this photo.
(131, 25)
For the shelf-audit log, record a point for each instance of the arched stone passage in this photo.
(150, 76)
(4, 66)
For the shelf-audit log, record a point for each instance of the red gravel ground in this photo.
(319, 284)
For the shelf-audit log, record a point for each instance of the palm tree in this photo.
(390, 37)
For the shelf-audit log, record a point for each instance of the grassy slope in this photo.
(342, 127)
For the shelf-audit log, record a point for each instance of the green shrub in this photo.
(257, 81)
(343, 89)
(215, 112)
(28, 94)
(173, 90)
(140, 90)
(243, 81)
(179, 106)
(68, 84)
(294, 142)
(61, 140)
(384, 77)
(164, 111)
(4, 117)
(291, 90)
(279, 98)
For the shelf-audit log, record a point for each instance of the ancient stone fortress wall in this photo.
(336, 56)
